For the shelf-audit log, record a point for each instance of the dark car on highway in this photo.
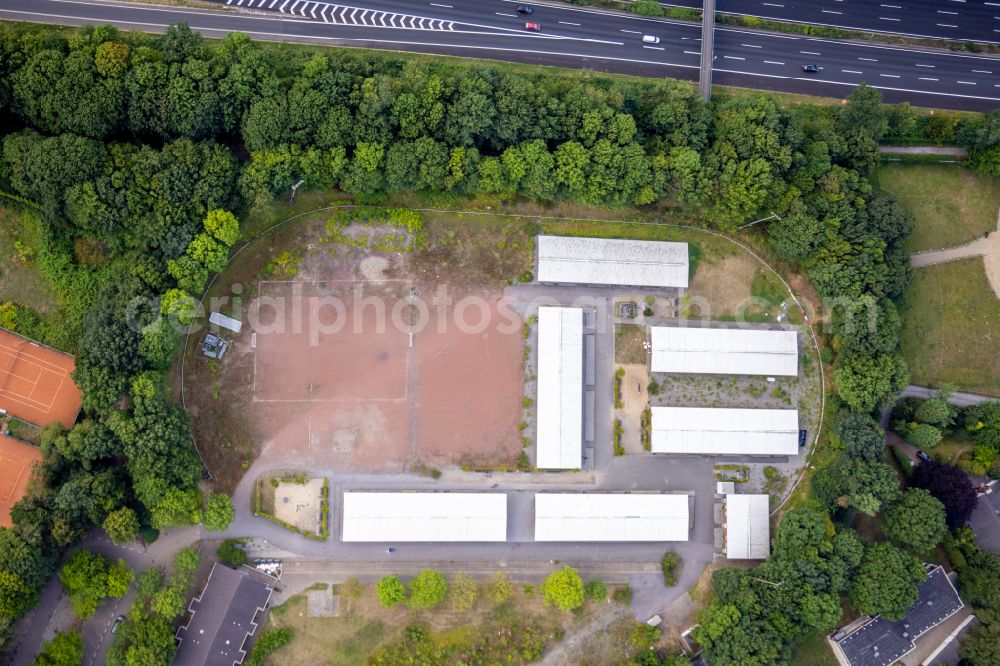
(812, 69)
(525, 9)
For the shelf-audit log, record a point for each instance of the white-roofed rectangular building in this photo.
(717, 431)
(748, 527)
(611, 517)
(424, 516)
(612, 261)
(560, 388)
(726, 351)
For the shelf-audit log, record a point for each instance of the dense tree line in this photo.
(126, 151)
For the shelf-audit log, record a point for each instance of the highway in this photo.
(571, 37)
(961, 20)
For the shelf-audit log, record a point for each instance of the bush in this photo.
(428, 589)
(269, 641)
(648, 8)
(230, 552)
(499, 588)
(622, 595)
(670, 566)
(390, 591)
(616, 435)
(563, 589)
(596, 591)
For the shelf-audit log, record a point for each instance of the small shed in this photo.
(213, 346)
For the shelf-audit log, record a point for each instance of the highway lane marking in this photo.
(510, 15)
(946, 25)
(851, 71)
(886, 18)
(890, 76)
(927, 66)
(981, 71)
(830, 11)
(752, 46)
(869, 59)
(810, 52)
(926, 78)
(568, 23)
(655, 48)
(771, 4)
(733, 58)
(941, 11)
(634, 32)
(773, 62)
(280, 36)
(434, 4)
(966, 83)
(697, 53)
(891, 6)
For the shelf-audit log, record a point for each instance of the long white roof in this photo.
(560, 388)
(610, 517)
(612, 261)
(424, 516)
(717, 431)
(748, 527)
(724, 351)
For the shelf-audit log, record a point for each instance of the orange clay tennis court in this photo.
(16, 460)
(35, 382)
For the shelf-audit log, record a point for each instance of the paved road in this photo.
(957, 399)
(972, 20)
(572, 36)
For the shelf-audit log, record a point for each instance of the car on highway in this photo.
(811, 68)
(650, 39)
(534, 27)
(525, 9)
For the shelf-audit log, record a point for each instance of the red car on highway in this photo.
(534, 27)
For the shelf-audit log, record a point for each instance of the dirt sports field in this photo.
(351, 387)
(16, 460)
(35, 382)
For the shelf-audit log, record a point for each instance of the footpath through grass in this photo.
(951, 329)
(950, 204)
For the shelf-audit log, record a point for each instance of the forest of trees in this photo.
(126, 153)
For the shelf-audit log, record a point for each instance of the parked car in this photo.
(812, 69)
(923, 456)
(118, 620)
(534, 27)
(650, 39)
(525, 9)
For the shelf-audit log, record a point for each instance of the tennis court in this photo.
(16, 460)
(35, 382)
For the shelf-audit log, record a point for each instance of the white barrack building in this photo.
(560, 388)
(611, 517)
(424, 516)
(716, 431)
(612, 261)
(724, 351)
(748, 527)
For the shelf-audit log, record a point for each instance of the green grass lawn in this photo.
(950, 204)
(814, 651)
(19, 280)
(951, 328)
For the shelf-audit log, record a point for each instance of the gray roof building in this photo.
(880, 642)
(612, 261)
(223, 618)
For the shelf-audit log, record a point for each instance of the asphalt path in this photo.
(962, 20)
(571, 37)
